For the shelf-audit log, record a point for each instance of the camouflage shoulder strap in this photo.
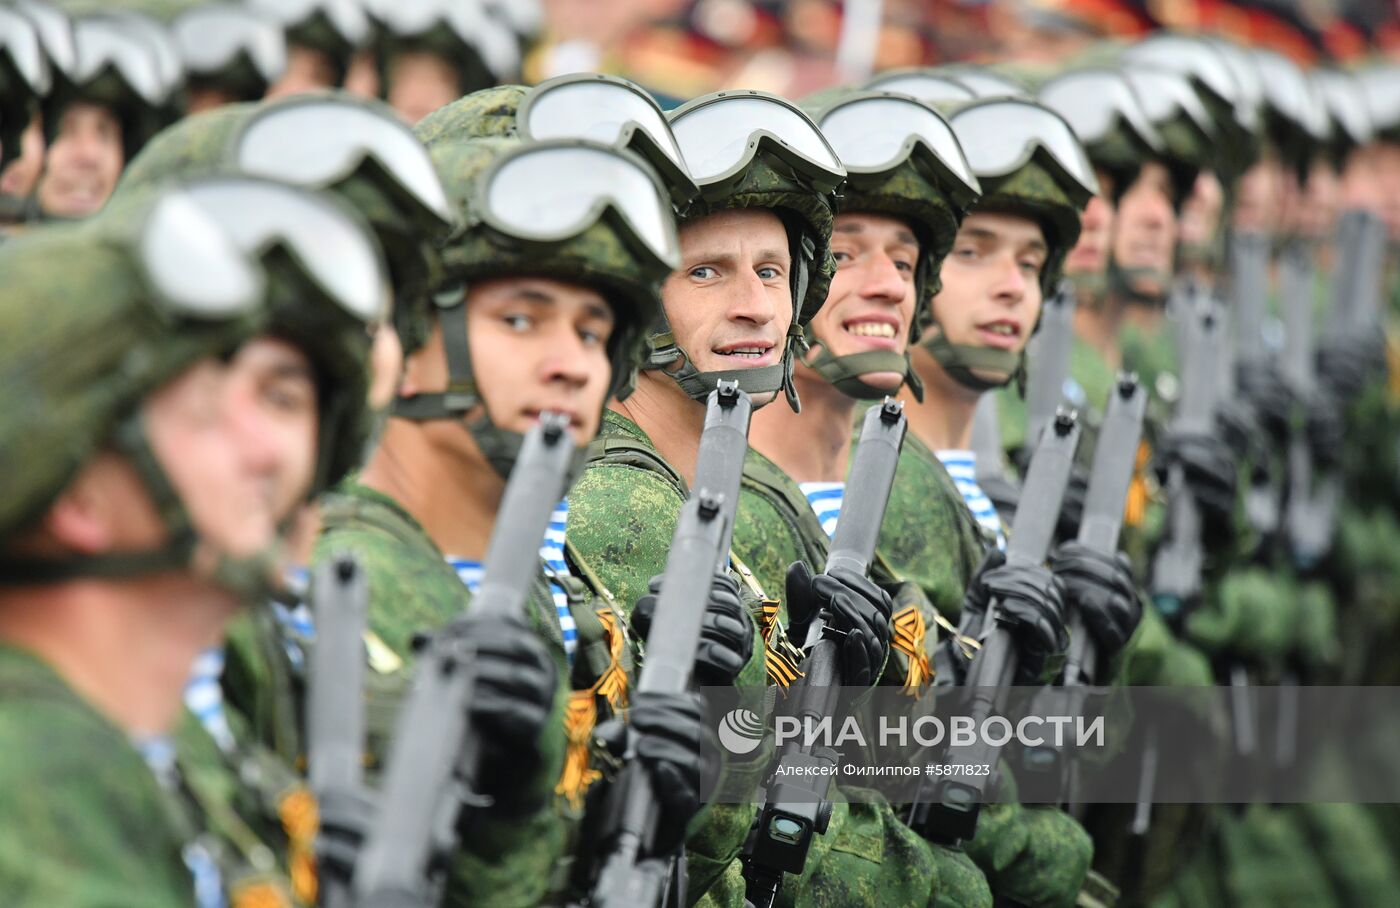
(600, 624)
(764, 477)
(623, 449)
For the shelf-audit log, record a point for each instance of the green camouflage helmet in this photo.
(1100, 104)
(913, 193)
(485, 114)
(480, 50)
(602, 257)
(1043, 191)
(1224, 81)
(83, 341)
(336, 341)
(208, 143)
(336, 28)
(765, 181)
(117, 70)
(203, 145)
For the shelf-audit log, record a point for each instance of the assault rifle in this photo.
(950, 812)
(633, 874)
(796, 807)
(431, 774)
(1047, 364)
(335, 715)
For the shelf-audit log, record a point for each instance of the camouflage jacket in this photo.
(413, 589)
(623, 512)
(868, 855)
(90, 824)
(929, 537)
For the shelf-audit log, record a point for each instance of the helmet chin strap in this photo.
(963, 362)
(499, 446)
(252, 578)
(845, 372)
(1125, 281)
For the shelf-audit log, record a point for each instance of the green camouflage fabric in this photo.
(867, 856)
(1252, 614)
(262, 687)
(65, 291)
(255, 803)
(623, 512)
(1035, 856)
(98, 827)
(413, 589)
(929, 537)
(205, 144)
(485, 114)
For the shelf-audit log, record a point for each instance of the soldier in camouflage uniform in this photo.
(262, 665)
(323, 37)
(521, 325)
(94, 124)
(894, 223)
(1029, 217)
(162, 507)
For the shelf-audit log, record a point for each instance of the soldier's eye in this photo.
(703, 273)
(517, 322)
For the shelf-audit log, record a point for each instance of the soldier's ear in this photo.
(425, 370)
(104, 508)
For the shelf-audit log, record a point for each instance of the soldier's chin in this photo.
(762, 398)
(888, 382)
(990, 376)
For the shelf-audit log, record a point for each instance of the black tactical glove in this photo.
(1030, 606)
(1211, 474)
(1326, 429)
(726, 631)
(1101, 587)
(1239, 428)
(670, 729)
(515, 684)
(856, 608)
(1264, 387)
(1347, 364)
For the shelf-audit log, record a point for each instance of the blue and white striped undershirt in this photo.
(962, 466)
(552, 553)
(159, 753)
(205, 697)
(825, 499)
